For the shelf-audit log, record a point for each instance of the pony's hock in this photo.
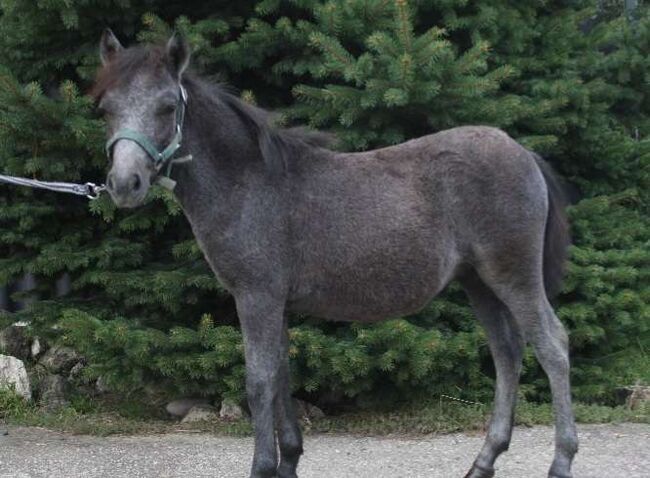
(288, 225)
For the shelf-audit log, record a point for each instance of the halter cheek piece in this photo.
(161, 159)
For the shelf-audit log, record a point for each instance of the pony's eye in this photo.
(104, 112)
(166, 109)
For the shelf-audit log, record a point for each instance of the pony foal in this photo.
(289, 226)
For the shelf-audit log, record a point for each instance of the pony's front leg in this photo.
(262, 320)
(289, 435)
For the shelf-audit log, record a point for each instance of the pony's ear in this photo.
(109, 45)
(178, 54)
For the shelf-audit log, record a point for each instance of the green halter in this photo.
(164, 158)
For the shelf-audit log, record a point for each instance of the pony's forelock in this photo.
(123, 67)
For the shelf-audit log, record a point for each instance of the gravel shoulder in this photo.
(606, 451)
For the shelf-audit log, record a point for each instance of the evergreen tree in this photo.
(567, 79)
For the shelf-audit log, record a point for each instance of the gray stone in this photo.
(180, 407)
(15, 342)
(154, 394)
(201, 413)
(60, 359)
(231, 411)
(101, 387)
(639, 398)
(52, 392)
(13, 373)
(306, 411)
(37, 348)
(76, 373)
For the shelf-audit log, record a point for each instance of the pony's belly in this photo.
(354, 312)
(368, 296)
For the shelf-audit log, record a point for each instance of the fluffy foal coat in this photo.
(288, 225)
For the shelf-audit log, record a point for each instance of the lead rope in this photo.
(162, 160)
(90, 190)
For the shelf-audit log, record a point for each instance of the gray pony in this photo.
(288, 225)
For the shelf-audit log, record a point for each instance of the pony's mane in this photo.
(277, 145)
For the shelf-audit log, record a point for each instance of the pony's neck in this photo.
(237, 155)
(224, 151)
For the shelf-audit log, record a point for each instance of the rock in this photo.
(638, 398)
(201, 413)
(101, 387)
(15, 342)
(76, 373)
(37, 348)
(154, 394)
(60, 359)
(306, 411)
(230, 411)
(180, 407)
(13, 372)
(52, 392)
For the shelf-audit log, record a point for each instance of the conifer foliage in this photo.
(567, 79)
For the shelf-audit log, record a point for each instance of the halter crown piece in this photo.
(161, 159)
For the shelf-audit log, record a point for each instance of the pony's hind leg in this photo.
(551, 344)
(507, 346)
(531, 309)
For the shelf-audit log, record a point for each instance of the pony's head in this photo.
(139, 93)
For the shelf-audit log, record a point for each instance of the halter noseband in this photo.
(160, 158)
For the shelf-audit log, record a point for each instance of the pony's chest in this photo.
(242, 260)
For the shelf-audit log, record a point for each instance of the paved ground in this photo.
(607, 451)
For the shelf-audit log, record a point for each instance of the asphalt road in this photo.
(607, 451)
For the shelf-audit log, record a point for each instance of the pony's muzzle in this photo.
(130, 175)
(124, 185)
(126, 190)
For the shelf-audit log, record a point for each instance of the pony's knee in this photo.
(260, 389)
(499, 442)
(291, 449)
(290, 440)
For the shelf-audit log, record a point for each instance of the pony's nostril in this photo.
(110, 183)
(137, 182)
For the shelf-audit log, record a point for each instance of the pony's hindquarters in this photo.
(521, 268)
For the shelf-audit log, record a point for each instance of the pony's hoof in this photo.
(287, 473)
(559, 474)
(480, 472)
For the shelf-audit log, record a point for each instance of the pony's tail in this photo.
(557, 237)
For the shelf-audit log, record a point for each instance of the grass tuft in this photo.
(130, 417)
